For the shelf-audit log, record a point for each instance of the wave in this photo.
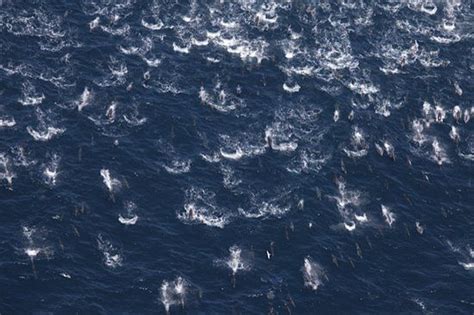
(46, 133)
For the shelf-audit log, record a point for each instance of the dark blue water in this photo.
(236, 158)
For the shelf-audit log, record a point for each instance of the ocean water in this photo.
(236, 157)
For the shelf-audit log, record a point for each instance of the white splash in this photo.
(110, 182)
(173, 293)
(32, 252)
(111, 112)
(220, 99)
(350, 226)
(467, 266)
(50, 171)
(457, 113)
(7, 122)
(85, 99)
(129, 218)
(440, 114)
(361, 218)
(278, 141)
(65, 275)
(312, 274)
(358, 146)
(6, 172)
(178, 167)
(388, 215)
(389, 149)
(467, 115)
(439, 154)
(419, 228)
(336, 115)
(236, 155)
(200, 207)
(454, 134)
(417, 128)
(346, 200)
(94, 23)
(183, 50)
(235, 261)
(128, 221)
(30, 96)
(229, 178)
(291, 88)
(211, 158)
(154, 27)
(112, 257)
